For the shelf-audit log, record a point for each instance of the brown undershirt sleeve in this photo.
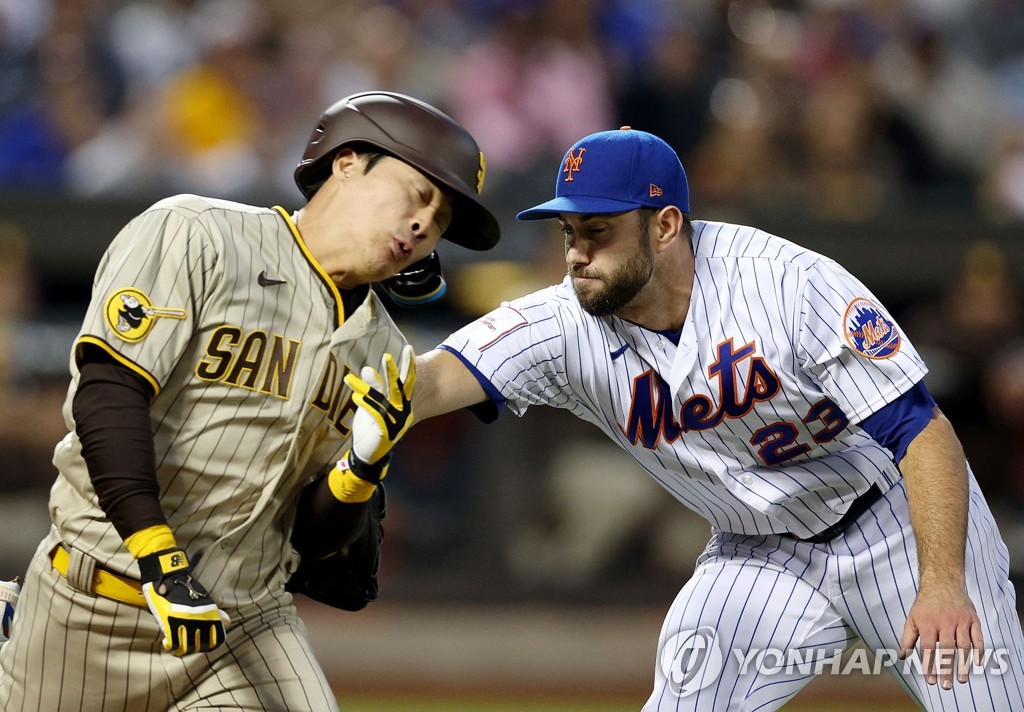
(324, 525)
(111, 411)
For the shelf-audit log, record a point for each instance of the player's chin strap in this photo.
(418, 285)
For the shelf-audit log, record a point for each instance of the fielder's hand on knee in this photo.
(190, 620)
(383, 415)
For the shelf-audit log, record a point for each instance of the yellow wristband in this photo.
(347, 486)
(150, 540)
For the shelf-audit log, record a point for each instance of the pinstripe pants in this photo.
(74, 651)
(762, 615)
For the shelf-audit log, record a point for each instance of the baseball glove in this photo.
(346, 578)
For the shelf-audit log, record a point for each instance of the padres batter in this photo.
(769, 391)
(214, 377)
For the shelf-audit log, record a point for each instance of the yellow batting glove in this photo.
(190, 620)
(384, 401)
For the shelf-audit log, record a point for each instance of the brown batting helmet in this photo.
(418, 134)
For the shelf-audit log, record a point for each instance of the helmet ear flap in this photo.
(418, 285)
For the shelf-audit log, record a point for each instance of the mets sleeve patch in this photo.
(869, 330)
(492, 328)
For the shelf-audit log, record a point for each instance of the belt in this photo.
(859, 506)
(104, 583)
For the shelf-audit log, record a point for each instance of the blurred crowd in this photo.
(845, 105)
(836, 110)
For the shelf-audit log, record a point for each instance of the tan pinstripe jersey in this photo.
(241, 333)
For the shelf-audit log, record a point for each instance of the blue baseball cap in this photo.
(615, 171)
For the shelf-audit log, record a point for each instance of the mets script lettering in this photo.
(651, 417)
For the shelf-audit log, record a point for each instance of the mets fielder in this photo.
(769, 391)
(216, 374)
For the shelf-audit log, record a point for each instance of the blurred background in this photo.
(531, 558)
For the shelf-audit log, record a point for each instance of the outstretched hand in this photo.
(384, 401)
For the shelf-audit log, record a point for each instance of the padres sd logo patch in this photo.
(869, 331)
(131, 314)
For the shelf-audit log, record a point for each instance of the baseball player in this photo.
(769, 391)
(218, 375)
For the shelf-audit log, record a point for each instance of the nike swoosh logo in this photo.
(264, 281)
(618, 352)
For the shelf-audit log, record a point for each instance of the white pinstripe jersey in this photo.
(750, 421)
(241, 333)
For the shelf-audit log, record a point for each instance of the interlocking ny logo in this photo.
(572, 163)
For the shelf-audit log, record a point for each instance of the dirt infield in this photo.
(524, 658)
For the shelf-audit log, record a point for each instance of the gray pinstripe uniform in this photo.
(750, 421)
(242, 335)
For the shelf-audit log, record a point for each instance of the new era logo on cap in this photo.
(616, 171)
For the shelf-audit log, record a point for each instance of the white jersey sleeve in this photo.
(529, 367)
(850, 344)
(149, 288)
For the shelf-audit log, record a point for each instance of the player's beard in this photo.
(618, 288)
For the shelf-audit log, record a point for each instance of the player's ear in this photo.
(344, 163)
(667, 225)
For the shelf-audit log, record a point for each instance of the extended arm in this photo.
(444, 384)
(935, 472)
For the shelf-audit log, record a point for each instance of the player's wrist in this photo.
(942, 581)
(189, 618)
(150, 540)
(352, 480)
(160, 564)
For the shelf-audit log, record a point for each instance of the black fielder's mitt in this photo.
(346, 578)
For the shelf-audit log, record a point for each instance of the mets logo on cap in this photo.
(869, 330)
(131, 314)
(573, 161)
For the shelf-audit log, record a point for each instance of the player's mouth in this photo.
(401, 250)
